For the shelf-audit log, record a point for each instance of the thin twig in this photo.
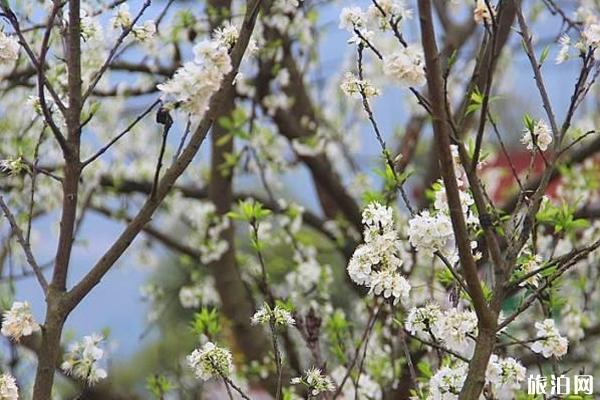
(24, 245)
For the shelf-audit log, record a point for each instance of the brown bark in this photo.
(487, 319)
(56, 314)
(237, 303)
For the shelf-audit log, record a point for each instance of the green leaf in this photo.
(544, 55)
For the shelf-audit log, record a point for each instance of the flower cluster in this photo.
(527, 264)
(205, 226)
(406, 66)
(315, 381)
(9, 48)
(428, 233)
(203, 292)
(424, 321)
(573, 322)
(122, 18)
(352, 18)
(447, 383)
(540, 136)
(8, 388)
(458, 328)
(505, 375)
(82, 360)
(352, 86)
(591, 35)
(278, 315)
(18, 321)
(563, 53)
(482, 14)
(210, 361)
(355, 19)
(145, 32)
(377, 262)
(552, 344)
(388, 10)
(440, 202)
(195, 82)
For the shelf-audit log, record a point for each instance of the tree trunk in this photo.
(50, 351)
(237, 303)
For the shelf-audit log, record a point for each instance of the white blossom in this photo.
(278, 315)
(573, 322)
(591, 35)
(527, 265)
(377, 262)
(203, 292)
(8, 387)
(553, 344)
(352, 18)
(122, 18)
(406, 66)
(210, 361)
(542, 134)
(82, 360)
(9, 48)
(423, 321)
(315, 381)
(563, 53)
(18, 321)
(457, 329)
(429, 234)
(482, 14)
(387, 10)
(506, 376)
(352, 86)
(195, 82)
(145, 32)
(227, 34)
(447, 383)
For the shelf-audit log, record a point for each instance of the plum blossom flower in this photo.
(458, 328)
(591, 35)
(193, 84)
(278, 315)
(505, 376)
(8, 388)
(428, 233)
(352, 18)
(210, 361)
(203, 292)
(18, 321)
(447, 383)
(529, 263)
(315, 381)
(145, 32)
(387, 10)
(406, 66)
(82, 360)
(352, 86)
(423, 320)
(563, 53)
(377, 262)
(541, 136)
(9, 48)
(553, 344)
(482, 14)
(122, 18)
